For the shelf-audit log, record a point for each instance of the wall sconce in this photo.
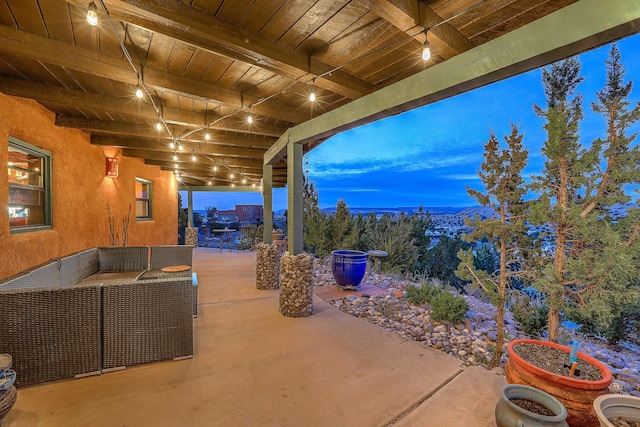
(112, 167)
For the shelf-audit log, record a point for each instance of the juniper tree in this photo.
(314, 220)
(501, 174)
(593, 266)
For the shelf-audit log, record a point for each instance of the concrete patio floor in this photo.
(254, 367)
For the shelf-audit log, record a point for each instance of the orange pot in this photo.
(576, 395)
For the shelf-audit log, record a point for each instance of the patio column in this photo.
(295, 198)
(190, 208)
(267, 183)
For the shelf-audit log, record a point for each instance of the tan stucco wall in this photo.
(80, 192)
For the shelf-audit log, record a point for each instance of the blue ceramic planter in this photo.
(348, 268)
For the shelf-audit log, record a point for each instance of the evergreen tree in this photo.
(314, 221)
(593, 268)
(501, 175)
(443, 260)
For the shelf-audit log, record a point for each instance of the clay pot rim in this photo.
(573, 382)
(348, 253)
(553, 418)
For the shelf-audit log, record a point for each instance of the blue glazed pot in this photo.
(348, 268)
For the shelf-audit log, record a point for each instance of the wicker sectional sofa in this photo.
(97, 310)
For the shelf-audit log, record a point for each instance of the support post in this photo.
(190, 208)
(267, 186)
(295, 205)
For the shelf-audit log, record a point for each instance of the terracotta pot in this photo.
(616, 405)
(576, 395)
(508, 414)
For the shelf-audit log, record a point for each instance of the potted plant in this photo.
(615, 406)
(522, 405)
(545, 366)
(348, 268)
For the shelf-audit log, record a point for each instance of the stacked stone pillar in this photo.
(191, 236)
(268, 266)
(296, 285)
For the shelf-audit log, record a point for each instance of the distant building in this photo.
(241, 213)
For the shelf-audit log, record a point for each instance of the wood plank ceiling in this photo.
(206, 65)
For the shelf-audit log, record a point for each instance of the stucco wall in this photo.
(81, 192)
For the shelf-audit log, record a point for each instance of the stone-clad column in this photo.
(268, 266)
(296, 285)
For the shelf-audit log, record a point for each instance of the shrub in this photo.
(531, 314)
(444, 304)
(449, 307)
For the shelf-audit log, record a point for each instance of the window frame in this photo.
(148, 200)
(47, 185)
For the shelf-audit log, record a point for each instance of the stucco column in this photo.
(295, 198)
(267, 183)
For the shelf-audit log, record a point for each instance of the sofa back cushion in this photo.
(126, 258)
(42, 276)
(165, 256)
(74, 268)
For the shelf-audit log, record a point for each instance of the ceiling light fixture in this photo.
(215, 169)
(193, 158)
(244, 180)
(426, 51)
(208, 182)
(92, 14)
(172, 145)
(249, 118)
(312, 95)
(159, 124)
(180, 147)
(231, 175)
(207, 136)
(175, 158)
(139, 93)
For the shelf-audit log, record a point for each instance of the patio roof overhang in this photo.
(206, 65)
(571, 30)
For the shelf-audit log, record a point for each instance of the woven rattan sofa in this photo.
(97, 310)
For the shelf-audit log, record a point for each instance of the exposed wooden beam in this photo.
(413, 16)
(161, 145)
(50, 51)
(206, 169)
(120, 129)
(529, 47)
(177, 20)
(185, 159)
(133, 107)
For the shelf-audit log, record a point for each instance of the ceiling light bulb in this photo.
(215, 169)
(244, 181)
(172, 145)
(178, 178)
(193, 158)
(208, 182)
(249, 119)
(207, 136)
(139, 94)
(253, 184)
(180, 147)
(92, 14)
(426, 52)
(159, 125)
(176, 166)
(175, 158)
(312, 96)
(231, 176)
(232, 184)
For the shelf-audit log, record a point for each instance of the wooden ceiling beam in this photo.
(177, 20)
(132, 107)
(49, 51)
(198, 148)
(279, 174)
(127, 129)
(413, 16)
(185, 158)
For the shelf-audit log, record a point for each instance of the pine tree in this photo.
(314, 220)
(501, 175)
(593, 268)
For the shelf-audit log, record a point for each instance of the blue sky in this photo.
(428, 156)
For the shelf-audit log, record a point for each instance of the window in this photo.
(29, 170)
(143, 199)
